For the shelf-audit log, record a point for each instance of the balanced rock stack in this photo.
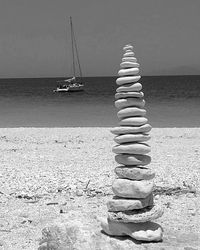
(132, 209)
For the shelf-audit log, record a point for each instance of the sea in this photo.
(171, 101)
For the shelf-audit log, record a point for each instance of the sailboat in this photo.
(72, 84)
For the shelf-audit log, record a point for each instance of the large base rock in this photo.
(79, 230)
(148, 231)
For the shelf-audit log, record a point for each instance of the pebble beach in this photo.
(46, 172)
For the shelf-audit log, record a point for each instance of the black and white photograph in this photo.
(99, 125)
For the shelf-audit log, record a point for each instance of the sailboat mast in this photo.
(72, 42)
(75, 44)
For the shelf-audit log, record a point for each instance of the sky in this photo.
(35, 36)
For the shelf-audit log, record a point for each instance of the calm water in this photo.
(172, 101)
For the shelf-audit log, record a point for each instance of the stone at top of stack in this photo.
(133, 187)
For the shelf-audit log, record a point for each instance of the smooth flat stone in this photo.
(132, 189)
(132, 148)
(129, 94)
(128, 72)
(130, 102)
(129, 50)
(129, 87)
(131, 138)
(131, 130)
(129, 64)
(129, 59)
(134, 172)
(133, 121)
(137, 216)
(121, 204)
(129, 53)
(148, 231)
(128, 47)
(127, 79)
(132, 160)
(130, 112)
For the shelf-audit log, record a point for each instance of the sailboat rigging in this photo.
(72, 84)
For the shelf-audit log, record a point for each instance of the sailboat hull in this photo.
(76, 87)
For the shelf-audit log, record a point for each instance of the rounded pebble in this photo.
(127, 159)
(128, 47)
(137, 216)
(134, 172)
(129, 53)
(131, 130)
(132, 148)
(133, 121)
(129, 102)
(130, 112)
(123, 204)
(129, 94)
(129, 59)
(131, 138)
(129, 87)
(127, 79)
(129, 65)
(128, 72)
(132, 189)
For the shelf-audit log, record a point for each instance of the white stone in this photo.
(129, 59)
(124, 204)
(133, 121)
(137, 216)
(131, 130)
(148, 231)
(132, 148)
(129, 87)
(130, 112)
(128, 72)
(135, 172)
(129, 65)
(129, 94)
(133, 160)
(131, 138)
(128, 47)
(127, 54)
(127, 79)
(132, 189)
(129, 102)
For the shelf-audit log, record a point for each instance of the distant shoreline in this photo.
(61, 77)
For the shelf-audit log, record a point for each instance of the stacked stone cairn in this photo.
(132, 209)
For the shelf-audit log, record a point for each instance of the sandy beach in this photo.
(46, 171)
